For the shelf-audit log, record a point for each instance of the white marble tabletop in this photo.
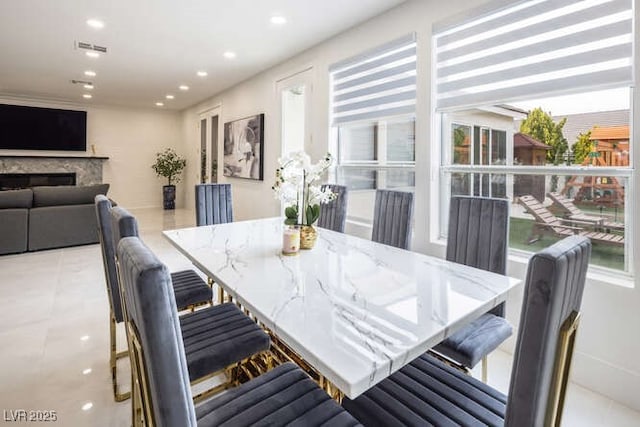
(356, 310)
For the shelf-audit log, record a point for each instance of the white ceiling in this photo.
(156, 45)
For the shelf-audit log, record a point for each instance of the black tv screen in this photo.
(34, 128)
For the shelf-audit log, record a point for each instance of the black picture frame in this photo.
(244, 148)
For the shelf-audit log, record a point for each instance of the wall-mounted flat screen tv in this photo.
(34, 128)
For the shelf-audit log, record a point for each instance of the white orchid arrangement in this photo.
(296, 187)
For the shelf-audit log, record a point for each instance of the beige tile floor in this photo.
(54, 338)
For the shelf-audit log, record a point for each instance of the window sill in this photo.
(518, 261)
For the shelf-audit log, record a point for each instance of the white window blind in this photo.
(534, 47)
(375, 84)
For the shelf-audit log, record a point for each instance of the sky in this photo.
(603, 100)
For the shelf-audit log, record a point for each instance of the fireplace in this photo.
(13, 181)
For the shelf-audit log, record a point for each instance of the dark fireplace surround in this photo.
(15, 181)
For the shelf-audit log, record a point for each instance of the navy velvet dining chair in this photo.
(213, 204)
(392, 218)
(333, 215)
(478, 236)
(214, 337)
(429, 392)
(162, 393)
(189, 288)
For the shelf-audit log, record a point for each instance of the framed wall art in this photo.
(244, 148)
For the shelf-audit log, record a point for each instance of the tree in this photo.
(582, 147)
(541, 126)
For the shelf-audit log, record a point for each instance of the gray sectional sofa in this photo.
(48, 217)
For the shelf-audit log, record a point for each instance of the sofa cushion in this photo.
(60, 226)
(67, 195)
(13, 230)
(16, 199)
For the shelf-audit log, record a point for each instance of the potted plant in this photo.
(297, 187)
(169, 165)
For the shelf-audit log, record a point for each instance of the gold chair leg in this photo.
(485, 368)
(113, 358)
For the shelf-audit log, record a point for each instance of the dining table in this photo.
(355, 310)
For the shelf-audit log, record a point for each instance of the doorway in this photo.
(208, 149)
(295, 102)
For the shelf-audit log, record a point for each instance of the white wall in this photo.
(607, 343)
(130, 138)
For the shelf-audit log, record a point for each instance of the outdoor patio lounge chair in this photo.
(575, 213)
(547, 222)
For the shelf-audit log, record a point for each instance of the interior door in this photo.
(208, 147)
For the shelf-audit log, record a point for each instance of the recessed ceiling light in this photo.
(278, 20)
(88, 86)
(86, 371)
(85, 337)
(95, 23)
(86, 96)
(169, 96)
(229, 55)
(90, 73)
(202, 74)
(87, 406)
(92, 54)
(160, 104)
(183, 87)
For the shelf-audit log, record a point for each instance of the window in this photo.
(527, 96)
(373, 121)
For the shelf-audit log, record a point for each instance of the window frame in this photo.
(382, 164)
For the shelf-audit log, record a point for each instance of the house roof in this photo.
(608, 133)
(583, 122)
(520, 140)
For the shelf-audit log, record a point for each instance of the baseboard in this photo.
(612, 381)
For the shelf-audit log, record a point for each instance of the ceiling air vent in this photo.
(81, 82)
(89, 46)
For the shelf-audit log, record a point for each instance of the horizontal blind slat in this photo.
(401, 96)
(394, 84)
(584, 37)
(518, 14)
(408, 109)
(372, 53)
(379, 75)
(580, 17)
(608, 78)
(586, 58)
(403, 54)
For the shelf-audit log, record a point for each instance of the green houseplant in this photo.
(169, 165)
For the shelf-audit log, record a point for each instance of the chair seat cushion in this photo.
(189, 288)
(476, 340)
(283, 396)
(216, 337)
(428, 392)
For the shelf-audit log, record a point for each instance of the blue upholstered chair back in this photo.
(123, 224)
(213, 204)
(103, 212)
(478, 234)
(553, 291)
(333, 215)
(392, 218)
(151, 308)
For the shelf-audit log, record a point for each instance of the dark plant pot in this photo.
(169, 196)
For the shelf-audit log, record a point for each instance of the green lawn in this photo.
(604, 255)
